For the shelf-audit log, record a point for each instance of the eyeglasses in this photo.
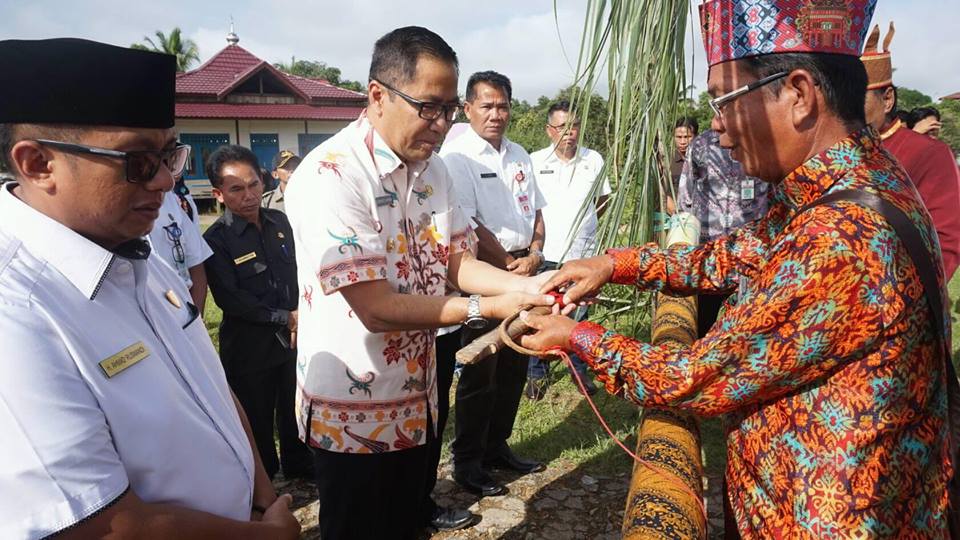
(565, 127)
(174, 232)
(718, 103)
(428, 110)
(141, 166)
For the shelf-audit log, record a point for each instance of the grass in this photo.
(562, 429)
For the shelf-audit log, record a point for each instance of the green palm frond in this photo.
(185, 50)
(637, 47)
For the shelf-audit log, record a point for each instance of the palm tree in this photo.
(184, 49)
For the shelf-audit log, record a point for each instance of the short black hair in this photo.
(231, 153)
(561, 105)
(841, 77)
(6, 144)
(920, 113)
(493, 79)
(395, 55)
(688, 122)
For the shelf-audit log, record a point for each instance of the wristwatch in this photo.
(538, 253)
(474, 319)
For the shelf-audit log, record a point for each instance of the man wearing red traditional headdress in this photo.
(929, 162)
(829, 370)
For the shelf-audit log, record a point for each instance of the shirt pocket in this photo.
(252, 276)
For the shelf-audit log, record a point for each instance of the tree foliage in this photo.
(185, 50)
(312, 69)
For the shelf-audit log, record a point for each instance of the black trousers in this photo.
(447, 347)
(371, 496)
(708, 308)
(488, 396)
(267, 396)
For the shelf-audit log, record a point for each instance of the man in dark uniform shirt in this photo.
(253, 278)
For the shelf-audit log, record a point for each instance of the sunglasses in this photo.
(718, 103)
(141, 166)
(428, 110)
(174, 233)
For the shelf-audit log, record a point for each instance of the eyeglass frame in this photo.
(719, 102)
(164, 155)
(419, 105)
(174, 233)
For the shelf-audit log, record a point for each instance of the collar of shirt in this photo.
(478, 144)
(385, 160)
(814, 177)
(84, 263)
(552, 157)
(238, 225)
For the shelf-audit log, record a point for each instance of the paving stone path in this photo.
(560, 503)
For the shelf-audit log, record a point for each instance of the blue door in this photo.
(265, 146)
(202, 144)
(309, 141)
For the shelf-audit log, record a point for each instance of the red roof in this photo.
(233, 65)
(263, 111)
(953, 96)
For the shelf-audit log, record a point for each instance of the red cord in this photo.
(670, 478)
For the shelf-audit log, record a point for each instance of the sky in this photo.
(534, 42)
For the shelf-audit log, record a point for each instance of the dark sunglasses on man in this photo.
(141, 166)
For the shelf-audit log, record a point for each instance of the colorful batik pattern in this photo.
(828, 368)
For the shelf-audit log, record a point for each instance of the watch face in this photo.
(477, 323)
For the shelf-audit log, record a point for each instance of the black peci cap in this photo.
(81, 82)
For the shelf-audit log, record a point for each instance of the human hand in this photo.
(549, 331)
(525, 266)
(281, 518)
(587, 276)
(928, 126)
(292, 321)
(505, 305)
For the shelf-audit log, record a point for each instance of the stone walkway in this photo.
(560, 503)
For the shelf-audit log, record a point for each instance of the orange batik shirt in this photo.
(827, 368)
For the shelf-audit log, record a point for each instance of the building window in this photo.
(309, 141)
(265, 146)
(203, 144)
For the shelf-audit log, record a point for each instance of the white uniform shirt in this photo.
(75, 439)
(359, 214)
(496, 188)
(172, 229)
(566, 185)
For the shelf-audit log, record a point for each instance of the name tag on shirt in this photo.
(747, 191)
(488, 175)
(244, 258)
(124, 359)
(546, 171)
(384, 200)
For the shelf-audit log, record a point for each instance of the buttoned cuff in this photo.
(280, 316)
(626, 265)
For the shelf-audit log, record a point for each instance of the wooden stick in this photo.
(490, 343)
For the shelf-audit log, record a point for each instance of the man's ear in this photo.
(803, 96)
(35, 164)
(375, 96)
(889, 100)
(218, 194)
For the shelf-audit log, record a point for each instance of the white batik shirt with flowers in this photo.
(360, 214)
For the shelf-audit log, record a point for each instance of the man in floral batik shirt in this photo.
(379, 236)
(829, 369)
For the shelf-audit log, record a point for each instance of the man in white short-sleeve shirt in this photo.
(497, 189)
(569, 176)
(379, 236)
(177, 241)
(115, 413)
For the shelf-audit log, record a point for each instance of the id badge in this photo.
(523, 201)
(746, 190)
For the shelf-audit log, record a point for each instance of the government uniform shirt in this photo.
(176, 239)
(253, 278)
(497, 189)
(108, 383)
(360, 214)
(567, 184)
